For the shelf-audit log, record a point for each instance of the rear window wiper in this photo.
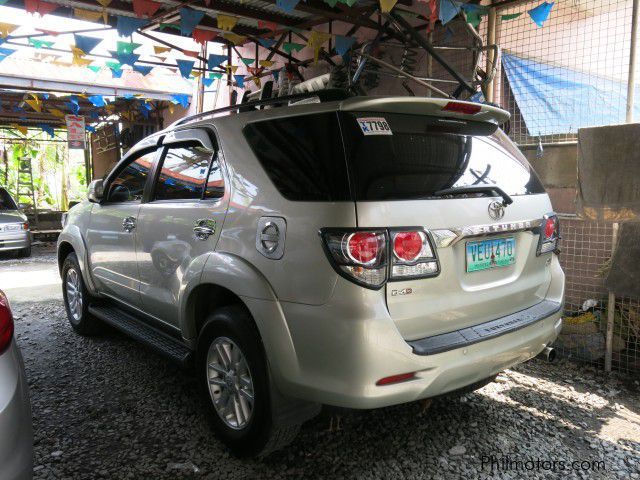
(490, 189)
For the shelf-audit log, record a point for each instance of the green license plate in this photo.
(495, 252)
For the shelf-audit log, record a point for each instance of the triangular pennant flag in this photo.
(226, 22)
(38, 6)
(266, 63)
(113, 65)
(234, 37)
(267, 42)
(88, 15)
(126, 58)
(239, 80)
(343, 44)
(127, 47)
(196, 74)
(207, 82)
(143, 69)
(276, 75)
(510, 16)
(215, 75)
(202, 36)
(21, 128)
(316, 40)
(180, 98)
(104, 3)
(215, 60)
(85, 43)
(387, 5)
(127, 25)
(145, 8)
(247, 61)
(257, 81)
(185, 67)
(189, 19)
(37, 43)
(6, 51)
(289, 47)
(48, 129)
(6, 29)
(540, 14)
(94, 68)
(90, 128)
(264, 25)
(350, 3)
(287, 5)
(159, 50)
(231, 68)
(169, 25)
(254, 70)
(191, 53)
(473, 19)
(56, 112)
(447, 11)
(53, 33)
(331, 3)
(97, 100)
(35, 104)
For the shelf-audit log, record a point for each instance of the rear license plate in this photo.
(495, 252)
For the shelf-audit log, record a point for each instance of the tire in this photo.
(24, 252)
(253, 435)
(78, 314)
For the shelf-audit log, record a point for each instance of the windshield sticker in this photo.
(374, 126)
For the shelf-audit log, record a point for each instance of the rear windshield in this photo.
(405, 157)
(382, 156)
(6, 202)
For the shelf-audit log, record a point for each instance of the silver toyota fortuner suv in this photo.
(357, 252)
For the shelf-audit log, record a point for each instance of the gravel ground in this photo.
(108, 408)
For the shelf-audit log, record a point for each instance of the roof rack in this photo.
(328, 95)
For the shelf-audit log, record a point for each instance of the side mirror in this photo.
(96, 191)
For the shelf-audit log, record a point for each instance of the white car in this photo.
(14, 227)
(16, 431)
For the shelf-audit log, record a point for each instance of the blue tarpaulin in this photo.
(558, 100)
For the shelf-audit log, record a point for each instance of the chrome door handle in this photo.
(128, 224)
(204, 228)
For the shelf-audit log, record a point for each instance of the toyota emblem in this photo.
(496, 210)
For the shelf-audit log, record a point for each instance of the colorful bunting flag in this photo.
(276, 75)
(127, 47)
(21, 128)
(257, 81)
(288, 5)
(510, 16)
(38, 6)
(85, 43)
(473, 19)
(226, 22)
(160, 50)
(105, 4)
(267, 42)
(448, 11)
(207, 82)
(181, 99)
(56, 112)
(6, 51)
(215, 75)
(6, 29)
(215, 60)
(145, 8)
(541, 13)
(343, 44)
(202, 36)
(264, 25)
(53, 33)
(35, 104)
(387, 5)
(316, 40)
(239, 80)
(127, 25)
(47, 129)
(185, 67)
(289, 47)
(126, 58)
(234, 37)
(88, 15)
(349, 3)
(231, 68)
(189, 19)
(97, 100)
(247, 61)
(331, 3)
(191, 53)
(143, 69)
(37, 43)
(94, 68)
(266, 63)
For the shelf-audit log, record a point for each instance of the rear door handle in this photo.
(128, 224)
(204, 228)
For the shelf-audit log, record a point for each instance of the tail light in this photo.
(549, 234)
(362, 255)
(25, 226)
(358, 255)
(462, 107)
(6, 323)
(413, 255)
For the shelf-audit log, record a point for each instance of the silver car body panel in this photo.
(329, 340)
(12, 236)
(16, 431)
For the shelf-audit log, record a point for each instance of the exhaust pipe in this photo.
(548, 354)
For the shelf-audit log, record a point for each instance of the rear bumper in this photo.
(14, 240)
(16, 435)
(335, 353)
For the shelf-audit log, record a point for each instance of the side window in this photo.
(129, 184)
(184, 173)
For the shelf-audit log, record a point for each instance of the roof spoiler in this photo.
(437, 107)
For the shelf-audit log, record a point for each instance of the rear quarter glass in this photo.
(420, 155)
